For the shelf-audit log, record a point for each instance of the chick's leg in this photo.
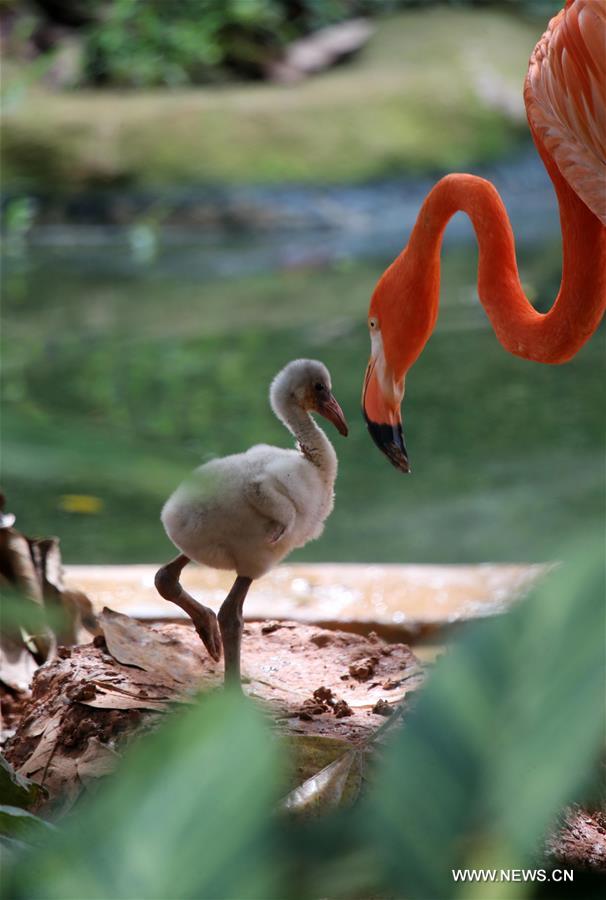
(204, 619)
(231, 624)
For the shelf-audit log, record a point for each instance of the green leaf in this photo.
(15, 790)
(336, 785)
(21, 825)
(188, 815)
(10, 848)
(507, 731)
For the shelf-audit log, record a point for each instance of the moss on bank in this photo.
(434, 89)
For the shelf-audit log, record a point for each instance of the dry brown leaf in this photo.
(76, 608)
(145, 684)
(32, 569)
(17, 564)
(107, 699)
(134, 644)
(45, 748)
(97, 760)
(17, 665)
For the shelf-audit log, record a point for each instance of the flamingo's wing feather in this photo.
(565, 95)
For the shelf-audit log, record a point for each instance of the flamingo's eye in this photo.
(372, 324)
(319, 386)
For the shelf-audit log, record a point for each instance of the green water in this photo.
(119, 378)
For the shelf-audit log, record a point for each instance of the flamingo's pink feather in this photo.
(565, 95)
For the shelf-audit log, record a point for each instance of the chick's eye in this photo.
(319, 386)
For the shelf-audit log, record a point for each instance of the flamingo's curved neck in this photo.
(408, 292)
(312, 441)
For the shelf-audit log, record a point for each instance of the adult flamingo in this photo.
(565, 102)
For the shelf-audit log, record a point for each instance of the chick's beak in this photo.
(331, 410)
(381, 410)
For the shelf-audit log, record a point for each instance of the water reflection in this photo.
(120, 376)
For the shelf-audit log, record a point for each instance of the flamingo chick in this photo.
(246, 512)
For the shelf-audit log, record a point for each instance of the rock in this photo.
(320, 50)
(364, 668)
(581, 841)
(343, 709)
(382, 708)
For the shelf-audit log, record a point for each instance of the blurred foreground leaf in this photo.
(21, 825)
(15, 790)
(18, 612)
(508, 730)
(187, 816)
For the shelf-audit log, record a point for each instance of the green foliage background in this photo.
(196, 41)
(412, 101)
(130, 43)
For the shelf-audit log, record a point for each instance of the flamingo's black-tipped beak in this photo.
(381, 399)
(390, 441)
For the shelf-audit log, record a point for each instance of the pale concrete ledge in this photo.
(406, 598)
